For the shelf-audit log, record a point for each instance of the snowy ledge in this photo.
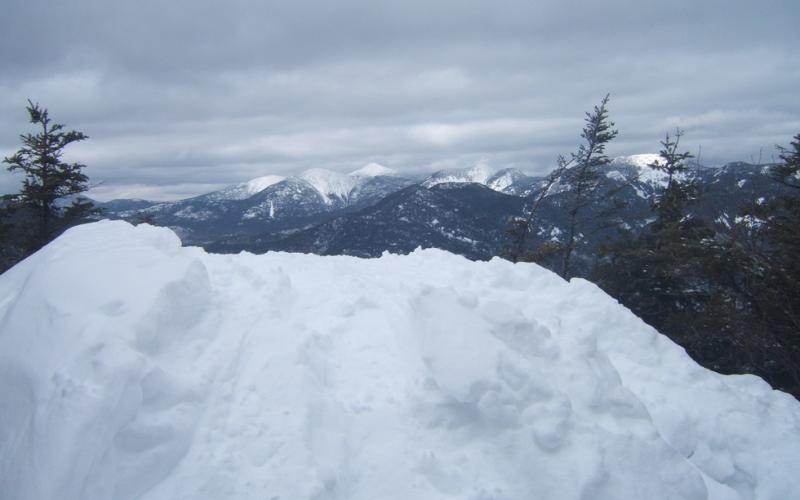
(131, 367)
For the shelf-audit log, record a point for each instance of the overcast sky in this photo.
(180, 97)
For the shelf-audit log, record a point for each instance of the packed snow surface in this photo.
(131, 367)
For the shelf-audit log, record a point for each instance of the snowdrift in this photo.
(131, 367)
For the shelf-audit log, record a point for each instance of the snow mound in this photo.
(329, 184)
(373, 170)
(131, 367)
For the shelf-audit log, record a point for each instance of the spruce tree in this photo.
(671, 203)
(657, 274)
(520, 227)
(48, 179)
(585, 177)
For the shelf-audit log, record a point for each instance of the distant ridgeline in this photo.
(373, 210)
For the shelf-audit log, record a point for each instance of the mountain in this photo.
(464, 218)
(470, 218)
(465, 211)
(479, 174)
(268, 204)
(246, 189)
(508, 180)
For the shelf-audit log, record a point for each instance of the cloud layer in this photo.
(184, 96)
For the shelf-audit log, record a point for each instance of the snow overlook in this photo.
(131, 367)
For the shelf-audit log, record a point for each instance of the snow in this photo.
(247, 189)
(373, 170)
(191, 212)
(504, 179)
(480, 174)
(639, 160)
(259, 184)
(330, 184)
(131, 367)
(646, 174)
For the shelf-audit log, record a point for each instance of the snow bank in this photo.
(133, 368)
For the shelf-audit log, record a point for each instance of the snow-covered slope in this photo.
(336, 186)
(133, 368)
(639, 167)
(479, 174)
(329, 183)
(246, 189)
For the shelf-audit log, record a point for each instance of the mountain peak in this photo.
(638, 160)
(246, 189)
(329, 183)
(373, 170)
(259, 184)
(479, 174)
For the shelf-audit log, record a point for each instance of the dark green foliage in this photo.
(585, 181)
(35, 215)
(788, 173)
(670, 205)
(582, 174)
(520, 227)
(730, 296)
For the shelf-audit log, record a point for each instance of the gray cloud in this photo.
(184, 96)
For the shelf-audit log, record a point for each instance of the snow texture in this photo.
(479, 174)
(131, 367)
(247, 189)
(330, 184)
(645, 173)
(373, 170)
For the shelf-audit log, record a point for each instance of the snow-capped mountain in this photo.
(512, 181)
(247, 189)
(470, 218)
(465, 218)
(269, 203)
(507, 180)
(479, 174)
(373, 170)
(465, 211)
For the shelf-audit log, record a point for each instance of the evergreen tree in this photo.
(777, 296)
(520, 227)
(670, 204)
(585, 177)
(580, 173)
(788, 173)
(48, 179)
(731, 298)
(658, 274)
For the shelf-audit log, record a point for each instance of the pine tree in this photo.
(48, 179)
(520, 227)
(585, 178)
(670, 204)
(657, 275)
(788, 173)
